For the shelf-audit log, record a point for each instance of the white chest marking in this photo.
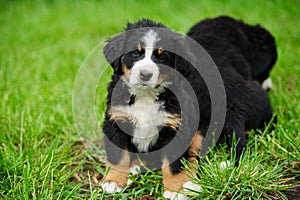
(147, 117)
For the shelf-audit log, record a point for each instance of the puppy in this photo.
(152, 117)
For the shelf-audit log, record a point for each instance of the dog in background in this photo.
(144, 115)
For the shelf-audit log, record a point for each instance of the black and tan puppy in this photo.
(144, 115)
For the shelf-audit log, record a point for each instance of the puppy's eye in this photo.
(162, 56)
(136, 53)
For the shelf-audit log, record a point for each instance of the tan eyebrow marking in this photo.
(139, 47)
(160, 50)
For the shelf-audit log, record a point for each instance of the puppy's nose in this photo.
(145, 75)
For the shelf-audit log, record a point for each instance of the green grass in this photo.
(42, 46)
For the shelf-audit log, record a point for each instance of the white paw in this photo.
(191, 187)
(129, 182)
(224, 164)
(267, 84)
(135, 171)
(174, 195)
(110, 187)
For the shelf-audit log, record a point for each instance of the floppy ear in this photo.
(113, 52)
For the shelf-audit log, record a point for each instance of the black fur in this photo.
(250, 50)
(143, 23)
(244, 55)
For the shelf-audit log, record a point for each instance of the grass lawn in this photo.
(42, 46)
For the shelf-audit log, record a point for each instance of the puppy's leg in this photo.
(135, 169)
(175, 179)
(116, 178)
(177, 182)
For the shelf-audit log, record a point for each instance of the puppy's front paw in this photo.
(174, 196)
(135, 171)
(111, 187)
(192, 187)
